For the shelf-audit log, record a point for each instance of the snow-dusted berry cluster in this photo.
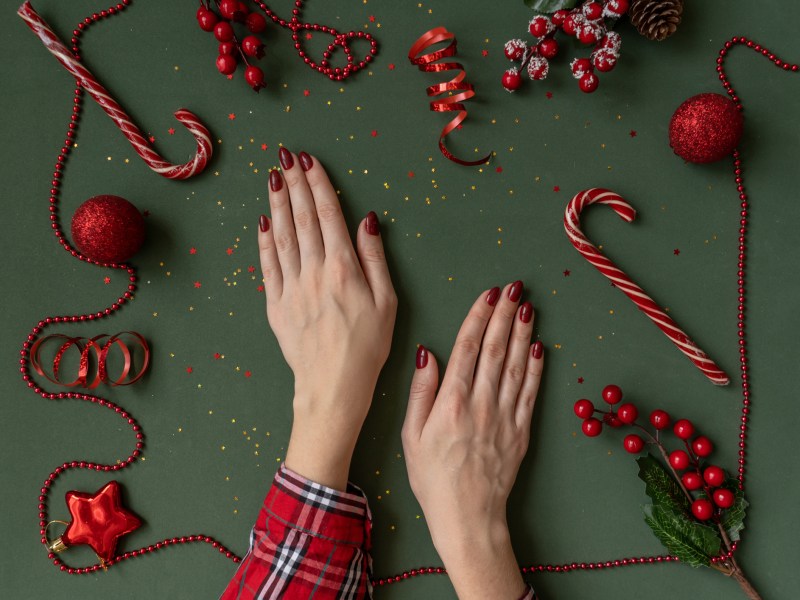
(588, 23)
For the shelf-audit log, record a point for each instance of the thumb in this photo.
(422, 395)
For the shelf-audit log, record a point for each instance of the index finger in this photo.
(335, 236)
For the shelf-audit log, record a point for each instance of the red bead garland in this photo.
(41, 325)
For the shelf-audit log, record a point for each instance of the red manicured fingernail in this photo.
(275, 181)
(373, 227)
(263, 223)
(287, 162)
(305, 161)
(538, 348)
(515, 291)
(422, 357)
(526, 312)
(493, 295)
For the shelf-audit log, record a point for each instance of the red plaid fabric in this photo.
(309, 541)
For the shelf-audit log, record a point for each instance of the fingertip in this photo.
(537, 350)
(371, 224)
(263, 223)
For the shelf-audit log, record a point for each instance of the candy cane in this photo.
(114, 110)
(644, 302)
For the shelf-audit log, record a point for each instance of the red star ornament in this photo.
(98, 520)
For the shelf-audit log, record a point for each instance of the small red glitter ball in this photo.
(705, 128)
(108, 229)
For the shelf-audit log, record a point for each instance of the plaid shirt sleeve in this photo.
(308, 541)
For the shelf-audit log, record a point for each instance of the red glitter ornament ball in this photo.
(705, 128)
(108, 229)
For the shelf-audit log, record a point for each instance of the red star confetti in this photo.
(676, 252)
(264, 146)
(580, 379)
(309, 36)
(152, 138)
(260, 288)
(499, 169)
(566, 272)
(484, 52)
(198, 285)
(192, 250)
(632, 133)
(556, 188)
(171, 131)
(247, 373)
(371, 19)
(189, 370)
(106, 280)
(229, 251)
(217, 355)
(306, 93)
(391, 66)
(231, 116)
(549, 95)
(411, 173)
(374, 133)
(251, 269)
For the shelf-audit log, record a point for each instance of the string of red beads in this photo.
(41, 325)
(339, 39)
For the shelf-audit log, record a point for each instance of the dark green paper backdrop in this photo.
(214, 435)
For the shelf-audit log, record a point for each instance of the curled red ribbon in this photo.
(86, 346)
(450, 102)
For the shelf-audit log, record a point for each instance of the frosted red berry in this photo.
(679, 460)
(592, 10)
(223, 31)
(254, 77)
(683, 429)
(627, 413)
(512, 80)
(538, 67)
(616, 8)
(588, 83)
(226, 64)
(604, 60)
(714, 476)
(591, 427)
(207, 19)
(612, 394)
(587, 35)
(515, 49)
(548, 48)
(256, 22)
(583, 408)
(702, 446)
(252, 46)
(580, 66)
(633, 443)
(540, 26)
(702, 509)
(724, 498)
(692, 481)
(568, 25)
(659, 419)
(559, 16)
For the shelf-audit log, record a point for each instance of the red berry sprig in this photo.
(590, 23)
(230, 49)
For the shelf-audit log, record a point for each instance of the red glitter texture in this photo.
(705, 128)
(108, 229)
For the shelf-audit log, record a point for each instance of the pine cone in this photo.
(656, 19)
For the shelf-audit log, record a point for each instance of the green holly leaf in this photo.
(733, 519)
(692, 542)
(550, 6)
(662, 488)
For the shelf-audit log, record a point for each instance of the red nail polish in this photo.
(306, 162)
(422, 357)
(373, 227)
(515, 291)
(275, 181)
(538, 348)
(493, 296)
(526, 312)
(263, 223)
(287, 162)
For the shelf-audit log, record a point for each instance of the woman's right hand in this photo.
(464, 444)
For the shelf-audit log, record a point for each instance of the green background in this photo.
(214, 436)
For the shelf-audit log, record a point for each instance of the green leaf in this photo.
(550, 6)
(733, 519)
(692, 542)
(662, 488)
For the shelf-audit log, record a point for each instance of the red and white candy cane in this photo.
(114, 110)
(645, 303)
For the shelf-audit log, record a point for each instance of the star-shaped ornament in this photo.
(98, 520)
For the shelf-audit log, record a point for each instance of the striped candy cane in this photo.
(644, 302)
(114, 110)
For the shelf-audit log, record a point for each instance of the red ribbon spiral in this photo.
(450, 102)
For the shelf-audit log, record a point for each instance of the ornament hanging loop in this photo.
(56, 545)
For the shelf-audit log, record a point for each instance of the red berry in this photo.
(714, 476)
(568, 26)
(611, 40)
(228, 48)
(229, 9)
(616, 8)
(223, 31)
(592, 427)
(679, 460)
(540, 26)
(548, 48)
(538, 67)
(580, 66)
(659, 419)
(256, 22)
(692, 481)
(633, 443)
(254, 77)
(612, 420)
(627, 413)
(583, 408)
(511, 80)
(587, 35)
(604, 60)
(612, 394)
(226, 64)
(702, 446)
(252, 46)
(683, 429)
(515, 49)
(724, 498)
(559, 16)
(243, 8)
(592, 10)
(206, 19)
(702, 509)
